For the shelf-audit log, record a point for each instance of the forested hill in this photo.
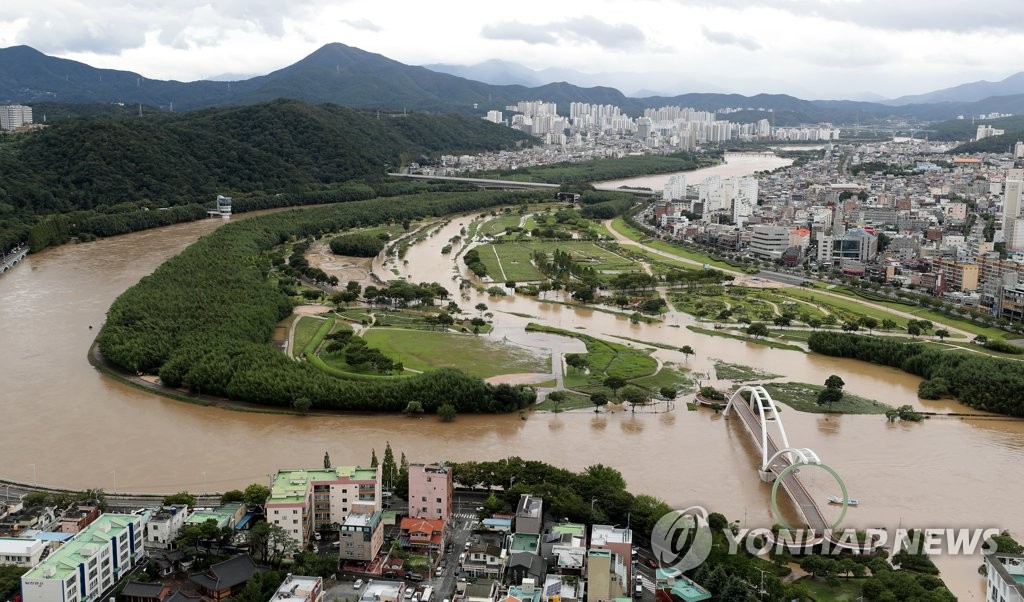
(117, 164)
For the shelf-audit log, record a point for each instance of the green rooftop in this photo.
(200, 517)
(689, 591)
(291, 486)
(524, 542)
(574, 529)
(82, 546)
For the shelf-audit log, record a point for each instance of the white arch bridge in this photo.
(760, 415)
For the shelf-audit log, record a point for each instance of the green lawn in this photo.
(742, 337)
(304, 331)
(516, 259)
(606, 359)
(803, 396)
(845, 308)
(848, 590)
(496, 226)
(514, 264)
(572, 401)
(670, 375)
(636, 235)
(425, 350)
(739, 373)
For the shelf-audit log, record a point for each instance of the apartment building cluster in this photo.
(919, 222)
(15, 117)
(669, 127)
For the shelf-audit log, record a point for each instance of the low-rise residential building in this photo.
(138, 591)
(361, 536)
(961, 277)
(484, 560)
(300, 588)
(421, 533)
(89, 564)
(529, 514)
(430, 491)
(20, 551)
(672, 586)
(619, 541)
(303, 501)
(1004, 581)
(224, 579)
(606, 580)
(164, 525)
(79, 516)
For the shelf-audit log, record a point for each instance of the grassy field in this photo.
(742, 337)
(739, 373)
(848, 590)
(845, 308)
(424, 350)
(514, 264)
(636, 235)
(803, 396)
(670, 375)
(606, 359)
(304, 331)
(573, 401)
(496, 226)
(515, 259)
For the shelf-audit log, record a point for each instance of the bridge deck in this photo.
(791, 484)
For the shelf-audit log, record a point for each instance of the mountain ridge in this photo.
(345, 75)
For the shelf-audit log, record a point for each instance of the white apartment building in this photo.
(86, 566)
(14, 116)
(21, 551)
(1005, 578)
(164, 525)
(304, 501)
(675, 188)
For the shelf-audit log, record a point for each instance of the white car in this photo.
(358, 584)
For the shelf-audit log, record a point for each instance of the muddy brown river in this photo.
(70, 426)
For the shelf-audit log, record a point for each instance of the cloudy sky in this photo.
(810, 48)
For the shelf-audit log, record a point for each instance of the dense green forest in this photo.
(112, 169)
(202, 320)
(604, 169)
(977, 380)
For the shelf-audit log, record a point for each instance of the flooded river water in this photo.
(68, 426)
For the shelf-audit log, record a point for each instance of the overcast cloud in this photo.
(823, 48)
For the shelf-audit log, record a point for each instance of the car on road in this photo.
(439, 571)
(638, 591)
(651, 563)
(409, 592)
(357, 584)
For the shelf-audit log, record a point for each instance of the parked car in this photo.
(413, 576)
(358, 584)
(439, 571)
(409, 592)
(638, 591)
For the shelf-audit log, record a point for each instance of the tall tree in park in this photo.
(256, 495)
(388, 468)
(373, 458)
(615, 383)
(758, 329)
(598, 399)
(687, 351)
